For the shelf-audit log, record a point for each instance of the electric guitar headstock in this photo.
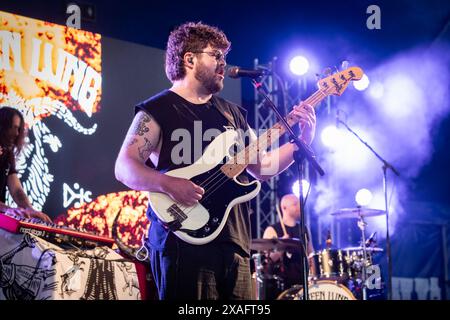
(336, 84)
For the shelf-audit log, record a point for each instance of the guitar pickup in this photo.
(177, 213)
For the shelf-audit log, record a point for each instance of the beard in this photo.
(209, 79)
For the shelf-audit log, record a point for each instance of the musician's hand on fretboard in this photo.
(306, 116)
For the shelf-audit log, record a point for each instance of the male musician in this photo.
(288, 227)
(195, 64)
(12, 137)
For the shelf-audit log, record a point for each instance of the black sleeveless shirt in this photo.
(292, 273)
(178, 117)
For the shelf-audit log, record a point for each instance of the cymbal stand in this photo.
(385, 167)
(362, 226)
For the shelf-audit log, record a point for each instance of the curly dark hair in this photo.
(6, 121)
(191, 37)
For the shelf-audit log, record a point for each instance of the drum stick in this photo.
(281, 220)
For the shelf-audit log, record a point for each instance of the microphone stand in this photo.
(385, 167)
(303, 152)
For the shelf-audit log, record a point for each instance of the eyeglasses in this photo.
(216, 54)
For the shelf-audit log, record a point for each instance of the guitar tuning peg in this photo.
(327, 71)
(344, 65)
(318, 77)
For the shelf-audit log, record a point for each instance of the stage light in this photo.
(330, 136)
(296, 188)
(362, 84)
(363, 197)
(299, 65)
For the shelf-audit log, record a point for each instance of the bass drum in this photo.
(319, 290)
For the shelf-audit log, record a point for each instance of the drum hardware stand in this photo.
(385, 167)
(259, 275)
(362, 226)
(303, 152)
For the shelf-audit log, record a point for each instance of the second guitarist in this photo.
(170, 130)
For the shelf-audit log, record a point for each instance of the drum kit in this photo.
(335, 274)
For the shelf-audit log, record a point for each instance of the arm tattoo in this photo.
(131, 141)
(145, 150)
(141, 127)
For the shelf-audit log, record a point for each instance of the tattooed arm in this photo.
(142, 141)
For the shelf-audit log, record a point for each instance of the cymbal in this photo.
(275, 244)
(357, 212)
(369, 249)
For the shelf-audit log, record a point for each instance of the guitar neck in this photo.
(238, 163)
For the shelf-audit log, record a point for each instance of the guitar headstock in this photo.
(338, 82)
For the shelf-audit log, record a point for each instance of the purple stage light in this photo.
(363, 197)
(299, 65)
(362, 84)
(296, 188)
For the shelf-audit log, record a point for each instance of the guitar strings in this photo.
(204, 183)
(217, 184)
(314, 99)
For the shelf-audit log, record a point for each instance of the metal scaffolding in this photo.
(267, 199)
(284, 94)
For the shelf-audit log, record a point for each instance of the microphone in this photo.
(344, 65)
(371, 239)
(238, 72)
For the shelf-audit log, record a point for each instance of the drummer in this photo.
(288, 227)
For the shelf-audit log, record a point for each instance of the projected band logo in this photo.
(47, 71)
